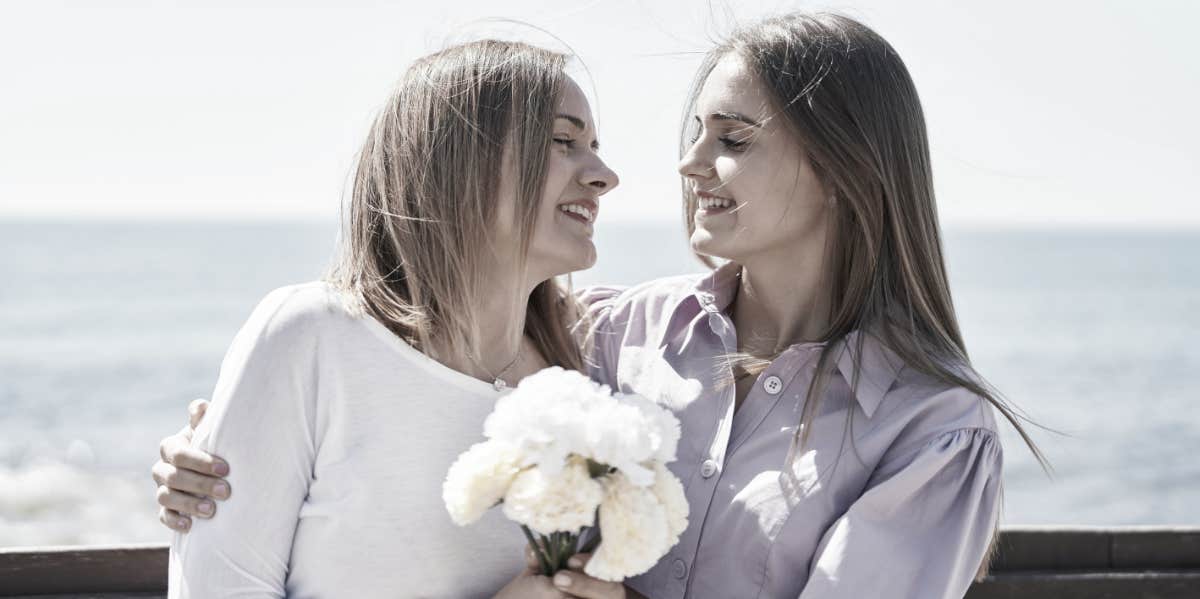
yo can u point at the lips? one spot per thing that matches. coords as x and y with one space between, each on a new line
711 202
584 210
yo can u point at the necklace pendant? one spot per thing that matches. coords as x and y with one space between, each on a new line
499 384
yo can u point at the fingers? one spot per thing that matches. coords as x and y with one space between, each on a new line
186 504
196 411
177 450
174 520
187 481
578 561
583 586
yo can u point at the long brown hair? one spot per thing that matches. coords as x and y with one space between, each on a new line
849 100
420 217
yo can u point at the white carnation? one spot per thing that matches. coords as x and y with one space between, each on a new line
619 437
556 413
478 480
633 530
545 416
669 492
564 501
662 427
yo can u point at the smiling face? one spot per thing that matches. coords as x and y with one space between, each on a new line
576 177
756 193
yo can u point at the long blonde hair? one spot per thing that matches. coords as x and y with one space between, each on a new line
420 218
848 98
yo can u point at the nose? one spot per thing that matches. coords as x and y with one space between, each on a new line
694 164
599 177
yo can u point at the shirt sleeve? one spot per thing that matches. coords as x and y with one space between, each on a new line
921 528
261 422
594 332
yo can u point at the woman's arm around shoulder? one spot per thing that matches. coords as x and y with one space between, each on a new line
262 419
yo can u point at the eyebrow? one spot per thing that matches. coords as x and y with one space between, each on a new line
722 115
579 124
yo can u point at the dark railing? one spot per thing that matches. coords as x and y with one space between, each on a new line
1033 563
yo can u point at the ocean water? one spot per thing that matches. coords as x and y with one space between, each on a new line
107 330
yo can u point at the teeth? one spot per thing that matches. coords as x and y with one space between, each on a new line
588 215
711 203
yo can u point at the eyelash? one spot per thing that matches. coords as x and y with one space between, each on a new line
729 143
570 144
733 145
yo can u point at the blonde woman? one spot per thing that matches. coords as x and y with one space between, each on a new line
837 442
343 402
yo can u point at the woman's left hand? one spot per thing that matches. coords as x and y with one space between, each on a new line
577 584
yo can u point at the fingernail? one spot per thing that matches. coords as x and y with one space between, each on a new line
205 507
220 468
183 522
574 562
562 580
221 490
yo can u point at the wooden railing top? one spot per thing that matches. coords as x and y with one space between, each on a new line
1061 561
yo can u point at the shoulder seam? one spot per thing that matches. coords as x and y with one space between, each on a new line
916 448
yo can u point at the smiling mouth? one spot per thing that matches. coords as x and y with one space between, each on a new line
582 211
708 203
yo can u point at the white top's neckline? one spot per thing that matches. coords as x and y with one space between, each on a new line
429 365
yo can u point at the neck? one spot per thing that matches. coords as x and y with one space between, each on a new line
500 313
782 300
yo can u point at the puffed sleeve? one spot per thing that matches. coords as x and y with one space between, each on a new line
261 422
920 529
595 333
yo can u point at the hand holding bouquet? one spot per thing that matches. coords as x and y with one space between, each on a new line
562 451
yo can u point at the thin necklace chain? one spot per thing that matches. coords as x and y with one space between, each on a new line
497 382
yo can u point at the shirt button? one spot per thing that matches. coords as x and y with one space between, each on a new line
679 569
708 468
773 385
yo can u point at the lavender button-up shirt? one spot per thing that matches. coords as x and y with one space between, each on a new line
895 496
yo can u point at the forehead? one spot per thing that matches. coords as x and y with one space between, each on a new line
731 87
572 101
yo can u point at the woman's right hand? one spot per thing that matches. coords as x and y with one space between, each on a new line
189 480
530 583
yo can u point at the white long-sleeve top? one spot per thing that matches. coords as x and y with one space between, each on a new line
339 436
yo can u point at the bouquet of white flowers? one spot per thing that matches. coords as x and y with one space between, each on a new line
562 451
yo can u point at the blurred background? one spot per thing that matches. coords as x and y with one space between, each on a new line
163 165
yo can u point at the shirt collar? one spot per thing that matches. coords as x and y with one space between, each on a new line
879 366
716 291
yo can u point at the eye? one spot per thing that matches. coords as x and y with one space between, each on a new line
566 142
734 144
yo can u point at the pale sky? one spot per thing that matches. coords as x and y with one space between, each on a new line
1040 113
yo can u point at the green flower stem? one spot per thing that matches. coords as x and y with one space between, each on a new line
558 551
543 561
552 551
563 550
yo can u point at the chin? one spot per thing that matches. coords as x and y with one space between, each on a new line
705 243
574 262
586 261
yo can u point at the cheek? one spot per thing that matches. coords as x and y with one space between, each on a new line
559 170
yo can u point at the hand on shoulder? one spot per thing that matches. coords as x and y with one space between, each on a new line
189 481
